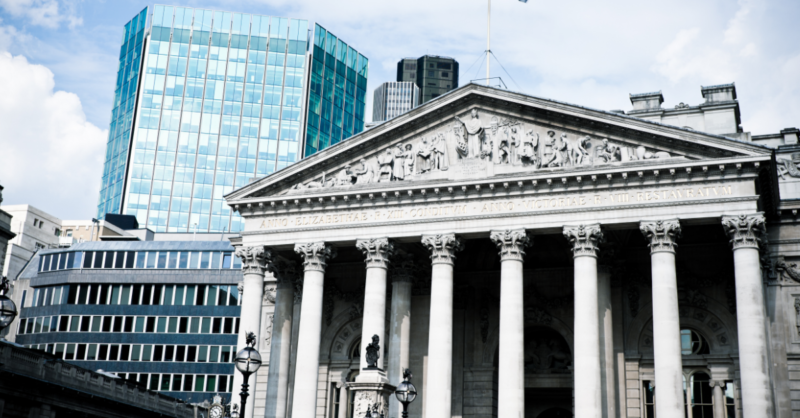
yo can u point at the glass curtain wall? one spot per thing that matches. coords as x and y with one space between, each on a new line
337 92
125 93
221 104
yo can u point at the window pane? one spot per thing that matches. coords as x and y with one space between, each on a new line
204 260
168 289
151 259
215 260
184 260
199 383
179 295
173 260
129 259
162 324
162 260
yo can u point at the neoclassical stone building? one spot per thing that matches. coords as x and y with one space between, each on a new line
526 258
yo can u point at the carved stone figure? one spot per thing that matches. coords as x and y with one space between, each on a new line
408 162
576 150
548 153
643 154
504 153
559 151
513 145
789 167
385 163
462 149
363 174
345 176
398 168
439 148
491 142
607 152
424 156
473 132
530 146
373 352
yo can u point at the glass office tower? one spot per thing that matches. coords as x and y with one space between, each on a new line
219 99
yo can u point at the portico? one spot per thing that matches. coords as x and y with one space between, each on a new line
513 285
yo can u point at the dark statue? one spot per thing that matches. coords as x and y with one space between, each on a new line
373 352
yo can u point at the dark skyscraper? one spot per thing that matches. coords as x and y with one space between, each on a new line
434 75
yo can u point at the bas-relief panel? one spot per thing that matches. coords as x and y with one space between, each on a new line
788 166
480 144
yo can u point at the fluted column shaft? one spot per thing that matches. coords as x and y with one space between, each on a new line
399 325
511 367
584 240
254 264
377 252
746 233
438 388
280 347
662 236
304 399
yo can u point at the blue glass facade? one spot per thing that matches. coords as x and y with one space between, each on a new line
337 93
222 101
164 314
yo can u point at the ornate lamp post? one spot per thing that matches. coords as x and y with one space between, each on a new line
248 360
8 310
406 392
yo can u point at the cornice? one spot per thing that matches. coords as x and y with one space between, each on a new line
590 179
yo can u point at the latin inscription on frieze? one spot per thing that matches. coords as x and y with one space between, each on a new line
520 204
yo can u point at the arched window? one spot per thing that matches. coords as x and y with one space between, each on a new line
355 350
699 396
693 343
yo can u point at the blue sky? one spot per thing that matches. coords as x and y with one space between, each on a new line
58 61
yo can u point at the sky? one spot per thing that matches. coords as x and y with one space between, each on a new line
58 63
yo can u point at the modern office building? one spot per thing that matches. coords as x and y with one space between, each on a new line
161 313
433 74
206 101
394 98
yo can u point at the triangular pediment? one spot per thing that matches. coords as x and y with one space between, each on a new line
481 132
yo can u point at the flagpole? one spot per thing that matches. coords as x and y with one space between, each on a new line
488 40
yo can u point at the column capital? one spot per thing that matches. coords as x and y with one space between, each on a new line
443 247
584 239
315 255
661 235
745 231
378 251
511 243
714 383
254 259
285 271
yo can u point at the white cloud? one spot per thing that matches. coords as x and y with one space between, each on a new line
50 156
46 13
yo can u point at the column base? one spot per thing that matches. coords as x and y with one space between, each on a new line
371 388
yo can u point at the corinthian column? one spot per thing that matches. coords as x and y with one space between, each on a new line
584 240
400 323
661 236
438 388
746 233
315 259
254 264
280 347
511 371
377 252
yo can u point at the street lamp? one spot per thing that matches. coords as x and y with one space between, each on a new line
8 310
406 392
248 360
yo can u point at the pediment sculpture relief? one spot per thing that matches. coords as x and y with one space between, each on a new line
480 141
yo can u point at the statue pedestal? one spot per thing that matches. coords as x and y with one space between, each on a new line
371 388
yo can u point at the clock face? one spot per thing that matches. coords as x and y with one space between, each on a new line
215 412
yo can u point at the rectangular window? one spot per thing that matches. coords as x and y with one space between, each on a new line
183 325
199 383
173 325
222 299
115 292
142 380
190 290
128 324
168 292
96 323
202 354
118 323
228 327
211 384
205 328
57 295
204 260
649 399
140 257
63 323
104 294
59 351
162 260
136 352
85 323
173 260
191 353
80 353
124 352
129 259
223 384
194 325
102 352
147 352
107 321
158 352
140 320
226 261
94 293
109 261
183 260
236 326
53 323
213 354
98 260
169 353
157 294
72 294
125 297
29 326
216 326
215 260
151 324
92 352
46 324
233 296
176 382
76 262
88 256
212 295
162 324
154 381
180 352
119 259
147 294
37 328
136 294
187 383
151 259
74 323
225 354
165 379
70 353
201 295
113 352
